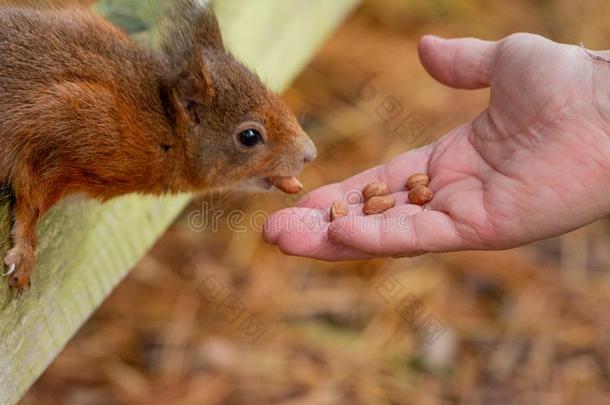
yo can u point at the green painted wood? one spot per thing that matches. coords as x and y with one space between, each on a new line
86 248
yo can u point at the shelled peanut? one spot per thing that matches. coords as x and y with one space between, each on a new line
419 193
376 189
377 199
378 204
289 185
418 179
338 210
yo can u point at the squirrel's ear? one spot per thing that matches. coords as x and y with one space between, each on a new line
190 24
192 90
209 33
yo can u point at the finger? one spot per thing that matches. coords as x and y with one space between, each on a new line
397 235
304 232
460 63
394 174
598 56
294 220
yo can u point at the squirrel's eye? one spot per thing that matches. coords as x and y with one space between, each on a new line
250 138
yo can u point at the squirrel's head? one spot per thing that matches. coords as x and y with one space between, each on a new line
235 131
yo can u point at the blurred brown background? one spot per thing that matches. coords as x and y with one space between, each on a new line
212 316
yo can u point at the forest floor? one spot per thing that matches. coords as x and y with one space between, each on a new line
212 316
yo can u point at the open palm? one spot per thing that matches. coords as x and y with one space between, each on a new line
535 164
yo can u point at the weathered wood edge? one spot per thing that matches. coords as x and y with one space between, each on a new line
87 248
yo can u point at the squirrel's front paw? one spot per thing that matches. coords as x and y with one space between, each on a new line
20 266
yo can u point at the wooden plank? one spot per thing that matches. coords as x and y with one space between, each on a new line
86 248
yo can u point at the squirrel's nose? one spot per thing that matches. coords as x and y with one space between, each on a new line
309 149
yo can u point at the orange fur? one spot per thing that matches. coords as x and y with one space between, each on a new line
85 109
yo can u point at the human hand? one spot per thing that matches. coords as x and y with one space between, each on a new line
534 164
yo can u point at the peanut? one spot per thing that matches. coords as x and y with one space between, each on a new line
290 185
420 195
338 210
378 204
376 189
419 179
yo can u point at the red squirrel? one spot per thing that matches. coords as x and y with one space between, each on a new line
84 109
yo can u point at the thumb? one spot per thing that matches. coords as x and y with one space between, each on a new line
460 63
